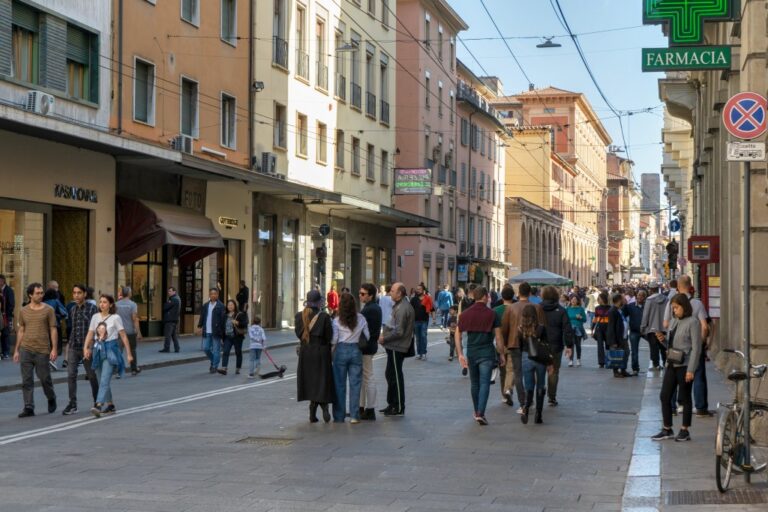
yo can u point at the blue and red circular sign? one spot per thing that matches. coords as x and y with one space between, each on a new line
745 115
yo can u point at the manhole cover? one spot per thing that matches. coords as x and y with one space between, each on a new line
732 497
266 441
626 413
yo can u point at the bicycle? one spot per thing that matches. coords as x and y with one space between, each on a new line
730 444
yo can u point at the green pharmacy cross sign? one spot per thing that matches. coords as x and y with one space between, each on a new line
685 18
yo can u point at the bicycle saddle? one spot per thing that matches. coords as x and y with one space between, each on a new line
737 375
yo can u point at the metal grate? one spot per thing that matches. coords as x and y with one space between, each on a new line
266 441
732 497
627 413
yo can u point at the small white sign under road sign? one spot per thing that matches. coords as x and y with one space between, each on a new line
746 151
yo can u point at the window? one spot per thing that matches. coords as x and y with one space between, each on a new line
463 181
440 218
279 29
462 227
189 98
451 106
370 81
301 135
229 21
82 64
190 11
439 99
427 89
144 92
341 78
25 43
385 13
355 72
280 135
452 56
480 234
355 156
427 207
451 233
370 163
482 142
440 42
302 57
464 132
384 174
322 143
427 30
372 7
384 88
471 230
493 191
482 185
228 121
340 149
473 182
474 133
322 54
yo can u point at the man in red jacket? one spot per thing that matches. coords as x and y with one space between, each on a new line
332 299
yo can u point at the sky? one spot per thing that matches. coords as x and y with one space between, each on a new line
614 57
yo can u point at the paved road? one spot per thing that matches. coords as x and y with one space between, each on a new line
174 446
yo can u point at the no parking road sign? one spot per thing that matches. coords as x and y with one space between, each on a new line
745 115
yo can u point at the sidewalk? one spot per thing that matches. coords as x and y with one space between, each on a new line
670 476
148 357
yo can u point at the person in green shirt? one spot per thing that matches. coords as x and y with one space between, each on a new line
577 315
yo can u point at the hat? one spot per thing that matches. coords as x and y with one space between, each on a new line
314 299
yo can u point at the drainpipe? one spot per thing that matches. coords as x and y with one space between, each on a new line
119 67
251 78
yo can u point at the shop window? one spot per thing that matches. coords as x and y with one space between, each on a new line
22 250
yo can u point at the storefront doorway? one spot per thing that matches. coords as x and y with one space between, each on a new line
226 268
275 270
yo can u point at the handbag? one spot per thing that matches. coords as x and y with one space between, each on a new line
674 355
539 351
362 342
614 359
411 348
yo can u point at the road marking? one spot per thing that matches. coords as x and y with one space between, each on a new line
69 425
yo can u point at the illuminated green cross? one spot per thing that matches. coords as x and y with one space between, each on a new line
685 17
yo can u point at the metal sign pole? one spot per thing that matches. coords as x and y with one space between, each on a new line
746 311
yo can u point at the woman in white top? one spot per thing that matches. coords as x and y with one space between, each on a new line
103 348
348 326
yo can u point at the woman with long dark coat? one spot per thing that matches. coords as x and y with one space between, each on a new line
314 377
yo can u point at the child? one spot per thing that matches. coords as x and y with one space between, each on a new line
257 340
453 321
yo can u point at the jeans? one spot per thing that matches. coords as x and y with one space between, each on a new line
444 313
132 344
674 380
480 370
576 354
104 374
395 380
229 342
368 389
170 332
212 349
511 373
599 335
634 343
554 377
534 374
38 363
420 331
74 356
700 392
347 365
255 361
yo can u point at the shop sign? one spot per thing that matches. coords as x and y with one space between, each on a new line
462 272
413 181
75 193
683 58
193 194
228 222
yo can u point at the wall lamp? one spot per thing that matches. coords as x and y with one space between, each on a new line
257 86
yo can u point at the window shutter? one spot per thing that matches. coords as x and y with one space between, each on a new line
78 45
25 17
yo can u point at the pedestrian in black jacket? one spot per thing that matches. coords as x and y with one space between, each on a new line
171 312
559 335
614 334
372 313
635 313
212 326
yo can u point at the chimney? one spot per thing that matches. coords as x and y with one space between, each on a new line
531 87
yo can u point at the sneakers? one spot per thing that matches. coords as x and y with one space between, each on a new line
578 362
251 376
494 374
635 373
553 402
570 363
481 420
508 398
136 371
211 369
354 421
700 413
683 435
110 409
164 350
26 413
418 357
368 414
51 406
237 371
70 409
520 410
680 409
391 411
665 433
450 358
222 371
53 366
96 411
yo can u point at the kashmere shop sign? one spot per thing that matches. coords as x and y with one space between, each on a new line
684 21
413 181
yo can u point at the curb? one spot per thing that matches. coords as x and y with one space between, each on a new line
150 366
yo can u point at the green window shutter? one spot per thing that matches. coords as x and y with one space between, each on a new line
25 17
78 45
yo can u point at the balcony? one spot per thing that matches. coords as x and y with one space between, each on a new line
302 64
370 104
341 87
357 98
280 52
322 75
384 115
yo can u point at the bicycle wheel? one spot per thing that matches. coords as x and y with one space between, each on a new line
725 448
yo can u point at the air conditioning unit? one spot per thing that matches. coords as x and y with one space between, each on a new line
268 162
183 143
39 103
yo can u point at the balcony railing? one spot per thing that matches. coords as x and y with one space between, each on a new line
370 104
280 52
341 87
357 99
384 115
322 75
302 64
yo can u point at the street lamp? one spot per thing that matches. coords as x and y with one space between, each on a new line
548 43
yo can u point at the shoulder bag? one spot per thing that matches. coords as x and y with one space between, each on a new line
674 355
538 351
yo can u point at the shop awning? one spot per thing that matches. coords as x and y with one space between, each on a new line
143 226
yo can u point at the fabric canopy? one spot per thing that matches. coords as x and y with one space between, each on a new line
539 277
143 226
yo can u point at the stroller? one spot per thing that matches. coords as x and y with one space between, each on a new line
279 370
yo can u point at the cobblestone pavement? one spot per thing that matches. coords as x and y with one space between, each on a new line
176 444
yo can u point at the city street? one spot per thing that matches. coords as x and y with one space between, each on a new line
185 440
